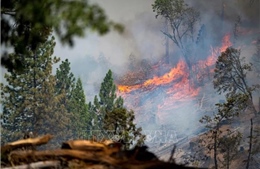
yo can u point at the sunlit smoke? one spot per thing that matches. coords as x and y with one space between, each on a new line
172 93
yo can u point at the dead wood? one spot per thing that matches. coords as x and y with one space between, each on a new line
108 147
24 156
80 154
25 143
41 164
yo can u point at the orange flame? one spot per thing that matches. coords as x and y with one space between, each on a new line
175 73
178 87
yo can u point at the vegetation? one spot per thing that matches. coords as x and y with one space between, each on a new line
112 118
182 21
221 141
74 100
26 24
36 100
230 77
29 99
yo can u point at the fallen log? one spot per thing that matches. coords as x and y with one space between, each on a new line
108 147
80 154
89 158
40 164
63 154
25 143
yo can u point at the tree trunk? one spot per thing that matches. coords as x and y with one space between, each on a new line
228 159
250 145
167 57
259 105
215 150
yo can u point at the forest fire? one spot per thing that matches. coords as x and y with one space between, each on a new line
172 89
178 77
175 73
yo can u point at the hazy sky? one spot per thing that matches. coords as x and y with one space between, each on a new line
141 38
92 56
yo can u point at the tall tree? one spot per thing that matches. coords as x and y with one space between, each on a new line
112 118
181 20
81 120
218 141
230 76
107 100
25 24
65 81
29 99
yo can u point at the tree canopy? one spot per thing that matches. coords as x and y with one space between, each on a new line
29 99
112 118
181 19
25 24
230 73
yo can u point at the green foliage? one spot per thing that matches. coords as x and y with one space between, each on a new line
74 100
29 99
226 111
81 120
216 138
230 78
111 117
230 74
120 122
107 100
229 144
65 79
107 93
181 19
25 24
178 13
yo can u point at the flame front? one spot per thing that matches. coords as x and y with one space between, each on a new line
176 85
175 73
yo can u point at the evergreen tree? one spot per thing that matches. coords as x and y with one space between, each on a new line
81 121
65 79
29 99
112 118
120 123
107 98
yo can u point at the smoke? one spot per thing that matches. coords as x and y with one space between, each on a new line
142 40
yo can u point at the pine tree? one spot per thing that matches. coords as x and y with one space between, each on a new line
81 121
29 99
113 120
107 98
120 123
65 79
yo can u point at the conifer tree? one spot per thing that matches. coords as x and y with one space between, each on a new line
107 100
65 79
81 118
120 123
112 118
29 99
